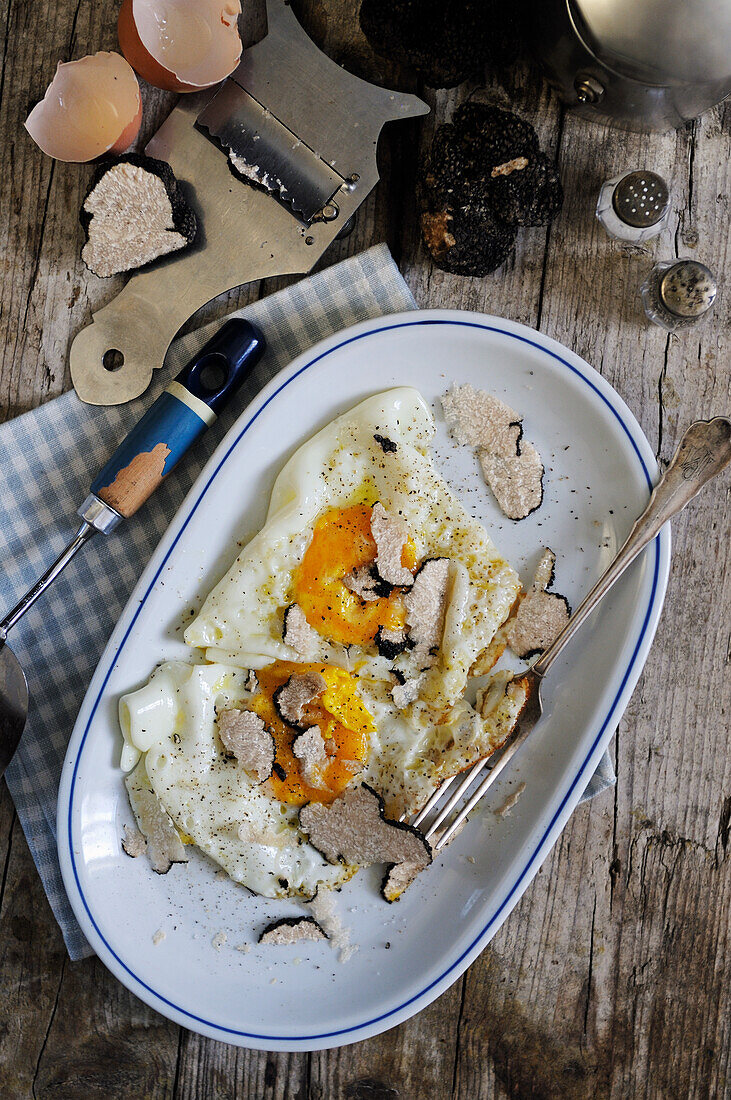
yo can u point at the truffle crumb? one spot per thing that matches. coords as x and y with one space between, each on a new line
219 940
510 801
292 930
541 615
252 683
159 936
134 843
133 214
244 735
324 910
297 632
387 445
291 698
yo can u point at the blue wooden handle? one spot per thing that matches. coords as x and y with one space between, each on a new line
181 414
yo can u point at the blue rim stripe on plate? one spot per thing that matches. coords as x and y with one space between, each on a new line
577 780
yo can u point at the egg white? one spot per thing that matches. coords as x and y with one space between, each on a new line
240 622
209 796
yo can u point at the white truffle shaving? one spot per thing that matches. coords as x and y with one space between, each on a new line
390 533
516 480
309 748
244 734
289 930
134 843
291 698
164 846
541 615
426 605
298 633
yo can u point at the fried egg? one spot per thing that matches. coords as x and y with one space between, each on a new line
319 533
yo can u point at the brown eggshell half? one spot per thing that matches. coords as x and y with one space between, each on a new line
92 106
179 46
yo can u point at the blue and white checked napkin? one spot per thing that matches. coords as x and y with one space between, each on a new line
48 459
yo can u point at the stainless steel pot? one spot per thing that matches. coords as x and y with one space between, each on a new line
646 64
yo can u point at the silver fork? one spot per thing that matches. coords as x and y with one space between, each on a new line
704 451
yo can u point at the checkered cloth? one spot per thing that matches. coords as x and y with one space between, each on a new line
49 457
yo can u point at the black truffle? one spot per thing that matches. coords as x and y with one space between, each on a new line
483 177
134 213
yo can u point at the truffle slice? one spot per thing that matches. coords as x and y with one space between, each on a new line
516 481
245 736
541 615
164 846
397 878
297 632
134 213
134 843
407 692
291 698
390 643
426 605
367 584
292 930
390 533
309 748
354 829
478 419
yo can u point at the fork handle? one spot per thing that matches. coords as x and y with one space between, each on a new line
703 452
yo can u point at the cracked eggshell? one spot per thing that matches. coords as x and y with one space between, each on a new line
179 46
91 107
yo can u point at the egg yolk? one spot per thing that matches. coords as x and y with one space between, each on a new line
341 542
342 718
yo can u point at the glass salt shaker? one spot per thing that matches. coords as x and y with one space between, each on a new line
634 206
678 293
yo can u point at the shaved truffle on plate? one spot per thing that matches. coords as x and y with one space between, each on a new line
541 615
309 748
244 735
511 466
366 583
426 605
397 878
134 843
134 213
478 419
291 698
297 632
390 643
354 829
390 533
516 480
164 846
292 930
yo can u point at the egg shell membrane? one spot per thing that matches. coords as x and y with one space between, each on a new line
91 107
342 542
342 743
144 47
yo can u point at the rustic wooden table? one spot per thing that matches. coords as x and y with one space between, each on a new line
612 977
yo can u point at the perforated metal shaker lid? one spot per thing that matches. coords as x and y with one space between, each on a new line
640 199
688 289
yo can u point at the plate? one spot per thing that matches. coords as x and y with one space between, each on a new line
599 470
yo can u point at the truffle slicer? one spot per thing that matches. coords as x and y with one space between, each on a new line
303 133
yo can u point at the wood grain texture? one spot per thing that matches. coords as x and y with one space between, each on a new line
611 978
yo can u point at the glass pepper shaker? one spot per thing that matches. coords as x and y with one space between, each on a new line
634 206
678 293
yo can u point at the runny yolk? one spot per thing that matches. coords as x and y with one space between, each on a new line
341 542
343 721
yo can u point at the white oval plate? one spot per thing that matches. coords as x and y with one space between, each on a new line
599 469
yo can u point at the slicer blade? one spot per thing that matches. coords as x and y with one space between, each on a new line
265 152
